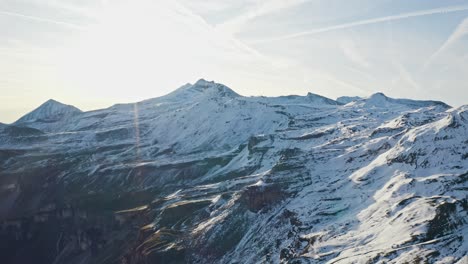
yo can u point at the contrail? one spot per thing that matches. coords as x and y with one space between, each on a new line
261 9
41 19
460 31
372 21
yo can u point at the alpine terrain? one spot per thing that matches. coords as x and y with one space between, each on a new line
205 175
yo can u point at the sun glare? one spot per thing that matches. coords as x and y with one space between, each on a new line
133 46
97 53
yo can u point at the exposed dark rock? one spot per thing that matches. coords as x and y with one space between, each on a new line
259 197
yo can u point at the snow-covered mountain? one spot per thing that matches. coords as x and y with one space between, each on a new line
205 175
49 112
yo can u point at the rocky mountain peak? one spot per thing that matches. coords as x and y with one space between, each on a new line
321 99
381 100
378 97
214 89
51 110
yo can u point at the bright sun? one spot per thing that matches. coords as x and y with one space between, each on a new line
133 46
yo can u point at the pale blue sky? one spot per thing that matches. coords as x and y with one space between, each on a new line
93 54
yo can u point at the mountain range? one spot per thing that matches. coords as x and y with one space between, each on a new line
205 175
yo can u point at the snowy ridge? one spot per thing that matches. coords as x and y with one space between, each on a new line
209 176
381 100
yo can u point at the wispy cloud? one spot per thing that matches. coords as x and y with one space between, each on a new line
405 76
315 75
262 8
226 39
65 6
460 31
372 21
42 20
352 53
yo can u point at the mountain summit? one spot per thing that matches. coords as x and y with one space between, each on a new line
318 99
49 111
208 89
213 89
381 100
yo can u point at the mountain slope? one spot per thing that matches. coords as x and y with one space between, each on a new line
204 175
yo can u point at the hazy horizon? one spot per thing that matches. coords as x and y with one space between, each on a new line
115 103
93 54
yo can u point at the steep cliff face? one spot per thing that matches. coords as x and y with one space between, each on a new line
204 175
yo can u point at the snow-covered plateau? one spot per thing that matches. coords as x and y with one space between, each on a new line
205 175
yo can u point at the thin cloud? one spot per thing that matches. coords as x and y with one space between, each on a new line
353 54
372 21
266 7
460 31
75 8
227 38
405 75
314 75
42 20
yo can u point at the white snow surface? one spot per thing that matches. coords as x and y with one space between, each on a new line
369 181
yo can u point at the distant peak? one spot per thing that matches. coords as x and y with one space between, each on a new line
378 99
52 101
381 100
201 89
321 99
213 89
51 110
379 95
203 82
57 105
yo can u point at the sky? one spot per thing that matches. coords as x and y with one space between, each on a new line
93 54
